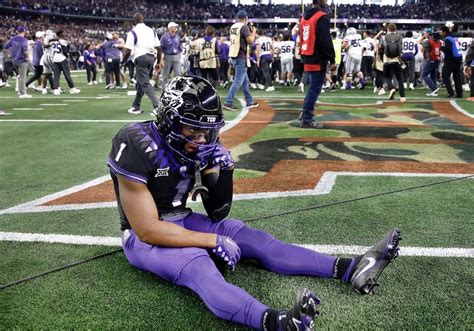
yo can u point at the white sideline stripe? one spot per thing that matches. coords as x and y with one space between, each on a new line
324 186
50 197
53 104
239 117
327 249
60 238
75 100
404 251
27 108
460 109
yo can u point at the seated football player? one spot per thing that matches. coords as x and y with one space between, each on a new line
157 165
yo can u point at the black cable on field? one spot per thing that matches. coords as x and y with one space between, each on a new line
360 198
249 220
60 268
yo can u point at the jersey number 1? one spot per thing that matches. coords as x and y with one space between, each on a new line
119 154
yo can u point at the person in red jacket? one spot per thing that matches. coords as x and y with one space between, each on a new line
431 48
316 52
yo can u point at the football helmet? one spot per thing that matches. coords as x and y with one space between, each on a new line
50 33
191 101
351 31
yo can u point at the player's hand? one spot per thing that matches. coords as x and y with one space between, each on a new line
467 70
217 156
333 67
227 250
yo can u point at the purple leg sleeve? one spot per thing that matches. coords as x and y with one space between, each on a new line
225 300
193 268
273 254
281 257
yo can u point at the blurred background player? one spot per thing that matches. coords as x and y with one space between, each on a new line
60 53
464 43
37 54
112 54
409 52
368 53
352 45
264 59
469 69
452 63
224 61
286 58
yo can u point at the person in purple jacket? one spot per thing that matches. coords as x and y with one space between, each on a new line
171 48
112 49
224 61
90 64
156 165
37 54
18 47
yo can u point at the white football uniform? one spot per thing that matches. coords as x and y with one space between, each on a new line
48 55
265 45
57 51
286 55
353 53
409 45
369 46
463 45
185 65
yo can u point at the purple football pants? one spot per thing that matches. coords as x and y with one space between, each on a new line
193 268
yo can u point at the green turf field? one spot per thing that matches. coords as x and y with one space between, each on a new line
408 164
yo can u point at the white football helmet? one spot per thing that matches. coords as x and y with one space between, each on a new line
50 33
351 31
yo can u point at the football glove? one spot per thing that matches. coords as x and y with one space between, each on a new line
219 156
227 250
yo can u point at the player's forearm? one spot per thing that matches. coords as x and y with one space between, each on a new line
171 235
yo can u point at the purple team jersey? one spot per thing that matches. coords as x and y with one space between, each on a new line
18 46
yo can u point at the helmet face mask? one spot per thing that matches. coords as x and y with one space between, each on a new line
190 104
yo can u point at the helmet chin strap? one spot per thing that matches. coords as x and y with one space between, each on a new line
198 188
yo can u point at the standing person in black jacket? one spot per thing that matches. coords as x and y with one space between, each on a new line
315 55
452 63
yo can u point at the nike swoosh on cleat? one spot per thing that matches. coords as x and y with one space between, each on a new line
367 267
